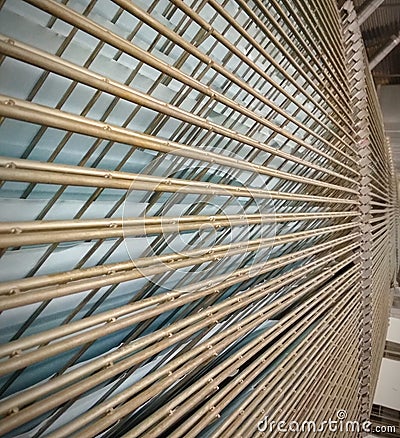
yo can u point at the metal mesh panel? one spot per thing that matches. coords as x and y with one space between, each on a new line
199 217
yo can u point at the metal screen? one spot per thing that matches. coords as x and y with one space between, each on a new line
199 217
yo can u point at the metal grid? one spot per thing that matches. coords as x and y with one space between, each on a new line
189 191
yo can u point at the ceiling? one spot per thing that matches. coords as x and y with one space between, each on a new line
377 31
